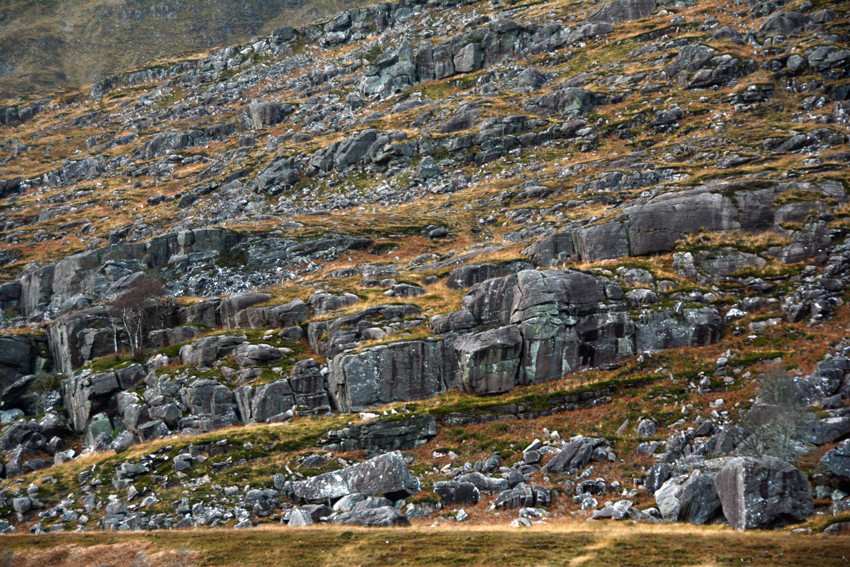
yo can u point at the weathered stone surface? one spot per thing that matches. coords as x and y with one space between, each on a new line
384 435
565 100
268 113
622 11
568 322
454 492
330 339
403 371
271 400
689 498
386 475
79 337
488 362
761 492
834 467
659 330
16 359
576 454
293 313
383 517
322 303
205 351
468 276
236 303
256 355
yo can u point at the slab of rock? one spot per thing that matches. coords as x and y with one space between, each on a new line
689 498
383 517
455 492
205 351
576 454
386 475
488 362
763 492
404 371
834 467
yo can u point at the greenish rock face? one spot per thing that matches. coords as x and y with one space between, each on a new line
488 362
99 424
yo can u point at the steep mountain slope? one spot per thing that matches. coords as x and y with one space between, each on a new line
569 258
47 45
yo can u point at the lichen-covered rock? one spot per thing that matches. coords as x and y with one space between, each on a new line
834 467
205 351
489 361
689 498
386 475
383 517
759 492
403 371
455 492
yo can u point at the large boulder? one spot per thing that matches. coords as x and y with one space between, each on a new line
386 475
834 467
382 517
569 320
565 100
348 331
759 492
16 359
622 11
577 454
268 113
455 492
403 371
488 362
287 315
468 276
689 498
236 303
271 400
80 336
205 351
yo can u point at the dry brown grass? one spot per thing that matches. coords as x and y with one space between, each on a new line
566 542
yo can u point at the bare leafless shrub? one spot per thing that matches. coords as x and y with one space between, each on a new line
773 423
136 310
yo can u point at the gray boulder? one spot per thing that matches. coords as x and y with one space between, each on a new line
271 400
268 113
834 467
256 355
402 371
386 475
577 454
205 351
762 492
383 517
322 303
488 362
688 498
622 11
565 100
455 492
16 359
468 276
235 303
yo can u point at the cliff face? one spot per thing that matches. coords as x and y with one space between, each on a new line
489 212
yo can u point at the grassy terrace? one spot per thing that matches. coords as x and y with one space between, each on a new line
568 543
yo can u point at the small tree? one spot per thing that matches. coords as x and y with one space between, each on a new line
136 310
774 422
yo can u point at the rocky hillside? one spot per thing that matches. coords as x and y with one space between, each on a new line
46 45
446 260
